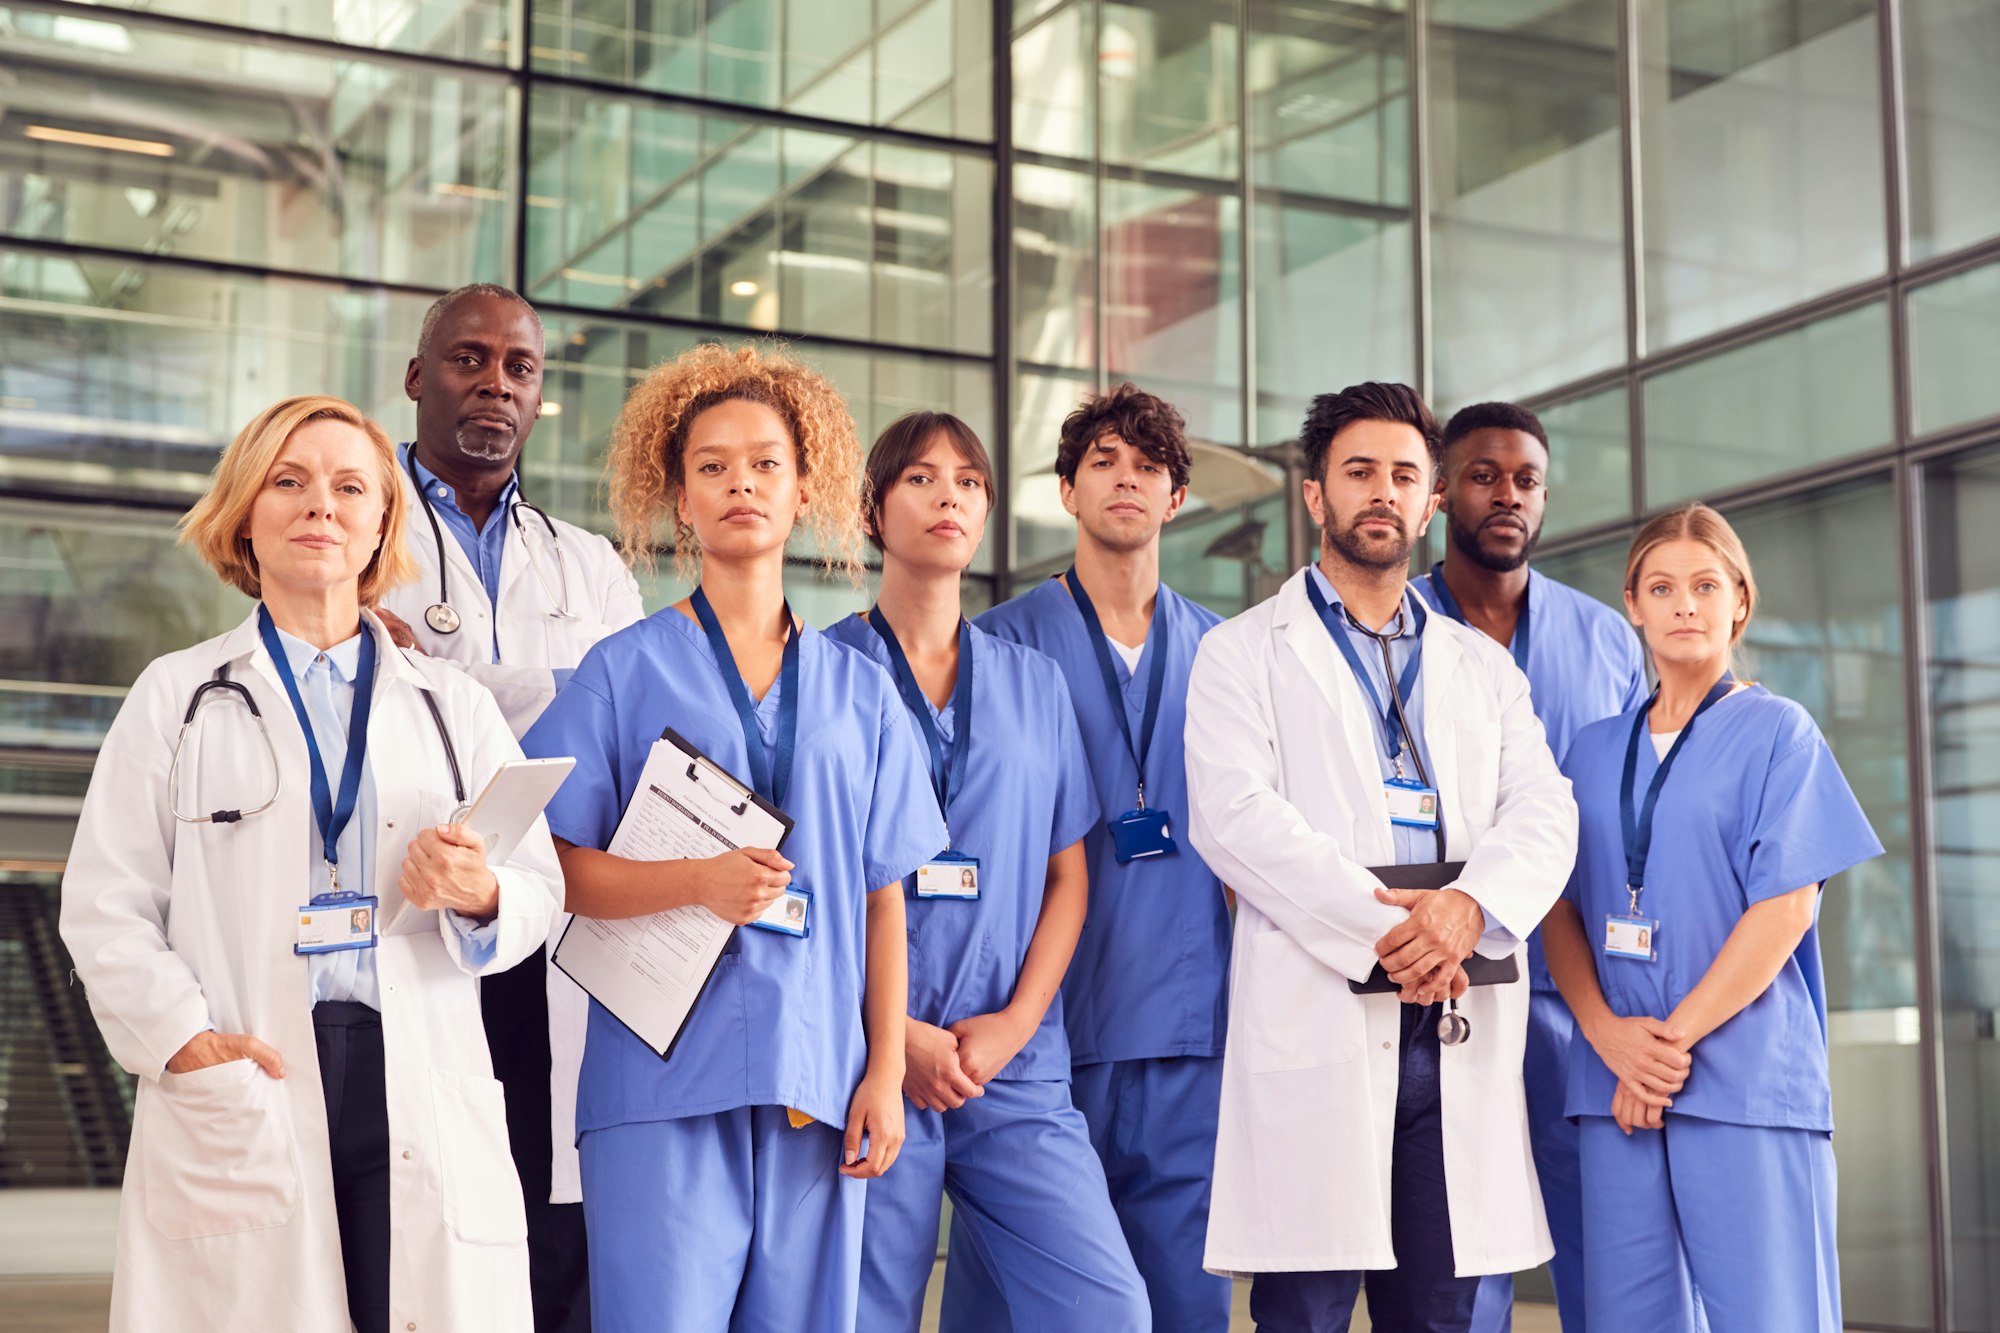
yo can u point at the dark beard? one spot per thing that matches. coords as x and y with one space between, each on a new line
1358 551
1467 541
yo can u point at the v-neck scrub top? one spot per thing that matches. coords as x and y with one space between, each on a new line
780 1022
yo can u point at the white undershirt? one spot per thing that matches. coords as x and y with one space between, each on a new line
1131 655
1663 741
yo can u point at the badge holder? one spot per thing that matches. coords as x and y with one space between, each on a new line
790 915
1412 804
949 874
1631 935
1140 833
333 922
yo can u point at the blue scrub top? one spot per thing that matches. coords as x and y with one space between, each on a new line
780 1022
1755 808
1025 796
1149 973
1584 663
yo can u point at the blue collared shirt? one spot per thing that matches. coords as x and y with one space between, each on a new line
482 546
326 684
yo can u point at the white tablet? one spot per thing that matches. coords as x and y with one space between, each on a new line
514 795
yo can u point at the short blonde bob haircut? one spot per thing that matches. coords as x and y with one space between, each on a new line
1697 523
646 464
215 527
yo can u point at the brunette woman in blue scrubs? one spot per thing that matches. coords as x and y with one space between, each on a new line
993 918
723 1187
1712 817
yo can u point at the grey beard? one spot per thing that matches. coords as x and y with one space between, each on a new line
496 454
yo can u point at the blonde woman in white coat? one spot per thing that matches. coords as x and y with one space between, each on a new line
317 1136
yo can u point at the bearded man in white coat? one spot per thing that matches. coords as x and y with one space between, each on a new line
1372 1139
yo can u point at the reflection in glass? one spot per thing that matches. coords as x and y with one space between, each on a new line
210 148
1172 292
1168 85
1808 395
1590 461
1954 327
1962 511
920 65
1527 226
1042 529
477 32
1597 569
1760 156
1055 85
1055 267
1952 114
1828 634
646 209
1329 118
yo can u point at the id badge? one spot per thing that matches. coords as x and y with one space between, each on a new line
1138 834
1633 937
790 915
1411 803
336 921
949 875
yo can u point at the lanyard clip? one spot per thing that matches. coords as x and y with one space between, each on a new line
1634 892
1402 749
333 876
1140 804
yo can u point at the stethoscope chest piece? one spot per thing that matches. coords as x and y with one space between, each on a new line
1454 1028
440 617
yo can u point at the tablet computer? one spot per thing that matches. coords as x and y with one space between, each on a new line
505 810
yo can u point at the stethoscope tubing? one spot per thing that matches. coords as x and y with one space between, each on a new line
440 615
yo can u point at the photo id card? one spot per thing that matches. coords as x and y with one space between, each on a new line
1631 937
949 875
332 922
790 915
1138 834
1411 803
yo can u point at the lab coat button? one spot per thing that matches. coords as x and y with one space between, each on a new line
406 1154
1385 1045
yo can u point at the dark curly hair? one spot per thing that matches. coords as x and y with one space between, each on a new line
1493 416
1145 421
642 470
1331 413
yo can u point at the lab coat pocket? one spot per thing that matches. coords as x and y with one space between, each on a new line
1292 1006
218 1156
481 1191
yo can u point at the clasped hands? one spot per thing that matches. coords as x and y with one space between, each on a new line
1424 952
1650 1059
943 1068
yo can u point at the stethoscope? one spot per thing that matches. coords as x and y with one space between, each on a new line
440 615
221 683
1453 1028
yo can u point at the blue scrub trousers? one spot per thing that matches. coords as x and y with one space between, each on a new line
1553 1135
1421 1294
1152 1123
1030 1196
1740 1216
727 1223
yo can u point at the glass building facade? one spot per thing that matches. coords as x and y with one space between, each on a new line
1742 250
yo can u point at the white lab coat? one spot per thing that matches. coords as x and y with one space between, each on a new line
227 1219
1285 804
603 598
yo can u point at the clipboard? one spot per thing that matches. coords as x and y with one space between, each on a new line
650 972
1479 971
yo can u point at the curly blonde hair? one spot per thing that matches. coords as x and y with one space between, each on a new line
646 461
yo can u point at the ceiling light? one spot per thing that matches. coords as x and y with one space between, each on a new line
743 287
116 143
550 409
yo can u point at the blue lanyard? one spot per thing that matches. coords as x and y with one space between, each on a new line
331 813
1638 825
1392 723
1449 605
770 785
946 776
1155 679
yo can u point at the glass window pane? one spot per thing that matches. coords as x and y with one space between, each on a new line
1954 327
1043 529
240 151
1055 85
1173 293
1527 227
640 208
1168 71
1760 157
1055 267
922 66
1597 569
125 379
1952 114
1329 116
1590 461
1828 634
1962 563
1809 395
476 31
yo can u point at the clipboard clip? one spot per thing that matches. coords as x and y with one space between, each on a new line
703 762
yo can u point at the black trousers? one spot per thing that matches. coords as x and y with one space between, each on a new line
349 1037
515 1007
